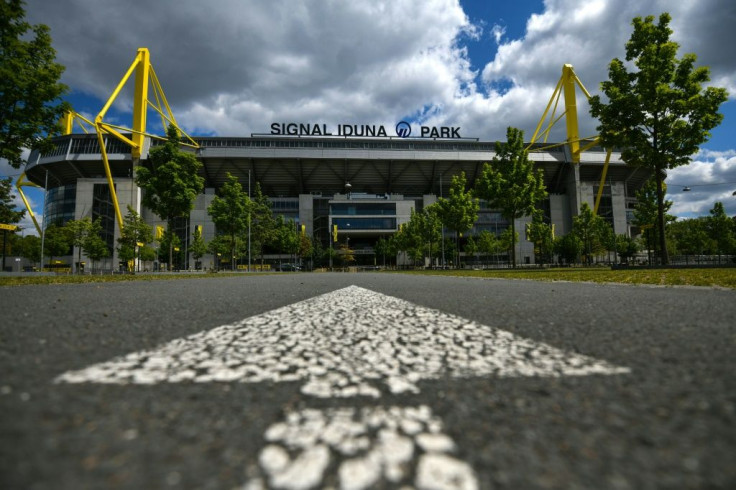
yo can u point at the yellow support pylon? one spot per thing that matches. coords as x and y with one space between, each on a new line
566 85
145 82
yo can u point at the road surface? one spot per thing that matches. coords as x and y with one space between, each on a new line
366 381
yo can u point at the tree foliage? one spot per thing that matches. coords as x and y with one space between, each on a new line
658 114
568 248
540 234
511 184
135 231
78 231
720 229
30 92
197 247
646 209
592 231
626 247
170 182
229 211
56 242
8 213
459 211
93 245
30 248
263 223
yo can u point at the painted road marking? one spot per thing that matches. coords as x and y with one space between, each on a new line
350 342
369 447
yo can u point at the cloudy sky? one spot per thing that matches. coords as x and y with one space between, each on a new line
232 67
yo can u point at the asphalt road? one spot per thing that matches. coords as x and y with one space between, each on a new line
656 410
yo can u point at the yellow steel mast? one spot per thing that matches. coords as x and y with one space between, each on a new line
566 85
145 81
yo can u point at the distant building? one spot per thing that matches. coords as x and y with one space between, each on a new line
367 186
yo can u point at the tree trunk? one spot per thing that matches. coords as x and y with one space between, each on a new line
661 220
513 243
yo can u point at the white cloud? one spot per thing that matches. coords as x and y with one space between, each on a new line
230 68
498 32
710 177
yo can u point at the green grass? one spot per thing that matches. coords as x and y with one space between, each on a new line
79 279
717 277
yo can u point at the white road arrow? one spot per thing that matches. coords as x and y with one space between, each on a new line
349 342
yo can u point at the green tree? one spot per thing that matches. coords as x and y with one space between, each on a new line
306 247
460 210
659 114
229 211
197 247
690 236
568 248
170 182
721 230
134 235
286 238
8 213
78 231
30 248
172 242
219 247
592 230
93 245
263 223
345 254
488 243
30 92
57 242
511 184
471 249
626 247
381 248
646 209
507 242
540 234
146 253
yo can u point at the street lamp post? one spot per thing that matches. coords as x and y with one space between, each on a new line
250 205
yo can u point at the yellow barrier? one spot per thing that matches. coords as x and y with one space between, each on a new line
255 267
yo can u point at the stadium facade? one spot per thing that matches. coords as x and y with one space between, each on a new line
364 179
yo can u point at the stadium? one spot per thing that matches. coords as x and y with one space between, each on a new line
364 179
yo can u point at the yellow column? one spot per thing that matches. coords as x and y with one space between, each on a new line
140 102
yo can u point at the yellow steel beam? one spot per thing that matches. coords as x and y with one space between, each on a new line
140 101
19 184
117 90
603 181
571 111
108 174
67 123
555 97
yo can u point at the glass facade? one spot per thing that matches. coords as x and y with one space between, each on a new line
60 205
363 209
605 209
104 210
360 224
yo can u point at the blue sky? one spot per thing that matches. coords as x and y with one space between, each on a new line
480 65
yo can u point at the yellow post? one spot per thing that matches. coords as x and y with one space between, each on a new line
21 182
140 102
602 183
67 123
571 111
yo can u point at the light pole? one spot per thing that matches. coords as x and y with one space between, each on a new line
250 205
43 218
